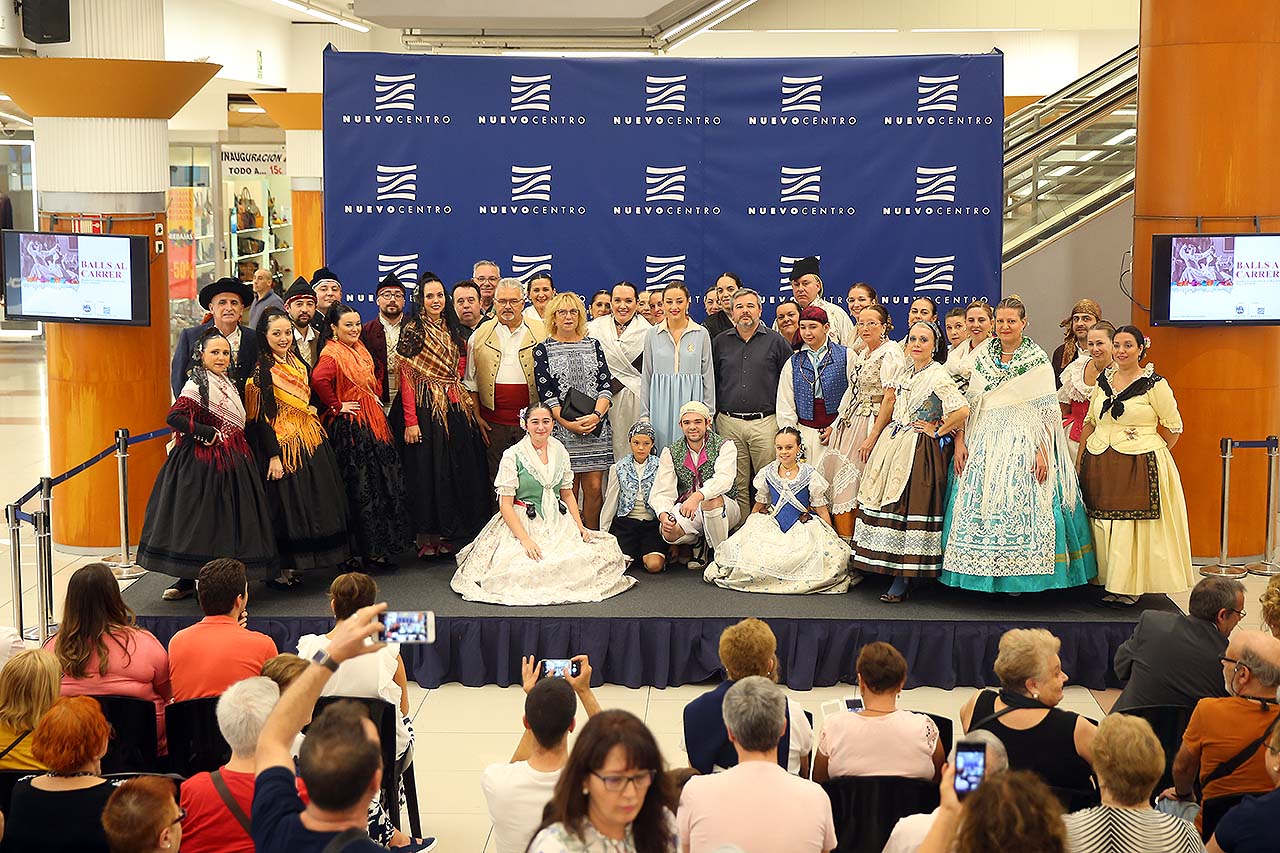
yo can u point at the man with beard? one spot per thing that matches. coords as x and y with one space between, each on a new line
806 288
1085 314
381 335
500 368
486 274
328 292
693 492
621 335
225 299
300 305
467 305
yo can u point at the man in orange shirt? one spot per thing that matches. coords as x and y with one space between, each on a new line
216 652
1223 743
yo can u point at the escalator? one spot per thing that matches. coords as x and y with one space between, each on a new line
1070 156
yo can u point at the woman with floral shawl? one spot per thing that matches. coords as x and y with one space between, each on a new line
1014 521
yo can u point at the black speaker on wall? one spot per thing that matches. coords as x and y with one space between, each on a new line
46 21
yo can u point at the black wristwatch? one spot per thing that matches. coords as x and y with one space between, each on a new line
323 658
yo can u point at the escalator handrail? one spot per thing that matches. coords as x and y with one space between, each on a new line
1018 156
1025 116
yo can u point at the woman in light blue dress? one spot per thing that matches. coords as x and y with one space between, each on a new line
1015 521
677 366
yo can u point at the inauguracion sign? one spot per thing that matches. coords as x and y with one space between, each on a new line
648 169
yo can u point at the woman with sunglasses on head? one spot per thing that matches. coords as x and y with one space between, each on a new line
207 501
612 794
536 549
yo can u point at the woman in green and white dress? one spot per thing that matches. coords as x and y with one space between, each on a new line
536 549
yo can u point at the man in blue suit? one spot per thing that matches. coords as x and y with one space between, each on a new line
225 299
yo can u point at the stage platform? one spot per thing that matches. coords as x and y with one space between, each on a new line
665 630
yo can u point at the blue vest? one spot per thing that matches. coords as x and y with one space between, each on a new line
831 372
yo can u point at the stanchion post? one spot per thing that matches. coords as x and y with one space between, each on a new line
44 574
46 506
1223 568
125 569
15 562
1269 565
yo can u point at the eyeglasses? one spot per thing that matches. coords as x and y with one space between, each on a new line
507 301
182 815
1232 661
616 784
490 279
1233 610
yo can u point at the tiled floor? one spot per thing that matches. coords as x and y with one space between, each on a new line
459 729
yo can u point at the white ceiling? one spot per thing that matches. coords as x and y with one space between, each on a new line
629 17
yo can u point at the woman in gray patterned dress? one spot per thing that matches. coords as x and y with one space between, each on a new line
566 360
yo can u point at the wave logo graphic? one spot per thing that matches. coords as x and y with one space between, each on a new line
935 273
785 265
397 182
659 269
802 94
404 266
665 94
394 92
935 184
525 267
937 94
801 184
664 183
531 183
530 93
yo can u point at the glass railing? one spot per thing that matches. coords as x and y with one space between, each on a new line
1026 122
1079 164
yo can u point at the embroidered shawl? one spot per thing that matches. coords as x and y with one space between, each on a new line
429 361
298 430
357 382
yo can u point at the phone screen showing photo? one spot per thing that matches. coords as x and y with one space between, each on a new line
971 766
559 668
408 626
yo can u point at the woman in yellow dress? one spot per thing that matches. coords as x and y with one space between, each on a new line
1130 484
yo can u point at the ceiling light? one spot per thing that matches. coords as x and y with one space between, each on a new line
870 30
978 30
5 98
690 21
14 118
724 16
321 14
248 108
563 54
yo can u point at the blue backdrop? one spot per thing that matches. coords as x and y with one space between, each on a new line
887 168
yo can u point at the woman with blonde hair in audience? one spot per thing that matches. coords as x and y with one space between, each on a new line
1270 601
142 816
1129 760
28 687
101 650
1010 811
61 810
1039 736
881 739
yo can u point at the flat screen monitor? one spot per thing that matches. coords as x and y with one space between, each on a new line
1215 279
56 277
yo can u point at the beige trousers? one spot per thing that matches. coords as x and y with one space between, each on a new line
754 441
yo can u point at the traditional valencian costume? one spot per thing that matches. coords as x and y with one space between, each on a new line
495 568
787 549
810 389
1132 489
366 455
1075 394
446 474
207 501
626 512
1004 531
308 504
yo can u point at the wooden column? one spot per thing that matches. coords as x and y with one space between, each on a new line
1207 124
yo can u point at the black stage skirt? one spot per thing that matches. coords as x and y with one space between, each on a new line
905 538
374 483
308 511
450 493
197 513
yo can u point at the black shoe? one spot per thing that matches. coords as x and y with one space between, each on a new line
182 588
380 565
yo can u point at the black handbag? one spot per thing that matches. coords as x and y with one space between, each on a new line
578 405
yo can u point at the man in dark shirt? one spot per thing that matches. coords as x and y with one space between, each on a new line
1173 659
748 362
340 761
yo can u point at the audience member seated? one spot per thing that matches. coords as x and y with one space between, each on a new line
1250 827
1129 761
217 805
377 676
1037 735
517 792
10 643
1270 601
1172 659
142 817
880 740
340 764
216 652
28 688
910 832
747 648
612 794
1222 744
755 804
1012 811
61 811
101 650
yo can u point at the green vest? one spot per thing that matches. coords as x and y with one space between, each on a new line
684 477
